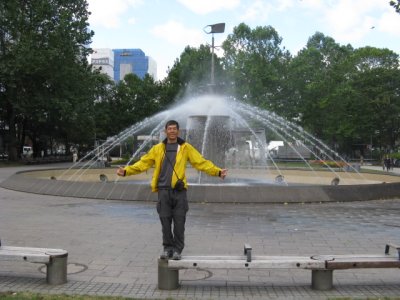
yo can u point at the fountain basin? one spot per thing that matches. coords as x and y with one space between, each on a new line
244 186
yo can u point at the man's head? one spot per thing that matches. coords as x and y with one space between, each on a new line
172 131
172 122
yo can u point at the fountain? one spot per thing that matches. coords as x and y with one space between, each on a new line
234 135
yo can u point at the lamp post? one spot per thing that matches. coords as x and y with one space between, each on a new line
214 28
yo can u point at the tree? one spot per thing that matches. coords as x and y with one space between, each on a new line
192 71
256 63
315 73
43 67
132 100
396 5
376 78
104 121
346 96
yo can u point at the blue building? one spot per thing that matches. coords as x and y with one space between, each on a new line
134 61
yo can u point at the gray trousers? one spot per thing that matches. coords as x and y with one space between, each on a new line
172 207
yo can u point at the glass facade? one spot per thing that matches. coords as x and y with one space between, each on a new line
117 63
132 61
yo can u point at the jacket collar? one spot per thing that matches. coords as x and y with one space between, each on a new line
180 141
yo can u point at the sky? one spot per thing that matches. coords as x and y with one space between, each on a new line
163 28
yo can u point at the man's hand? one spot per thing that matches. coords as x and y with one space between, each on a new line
224 172
121 172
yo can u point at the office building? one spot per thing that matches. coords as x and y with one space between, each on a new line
103 60
134 61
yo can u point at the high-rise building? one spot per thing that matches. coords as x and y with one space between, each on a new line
134 61
103 59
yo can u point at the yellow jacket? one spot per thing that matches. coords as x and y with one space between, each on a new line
185 153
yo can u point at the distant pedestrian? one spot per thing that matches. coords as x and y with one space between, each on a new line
74 157
387 163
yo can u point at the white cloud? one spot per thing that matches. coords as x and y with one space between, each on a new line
258 11
203 7
346 23
283 5
178 34
107 13
131 21
312 4
390 23
351 21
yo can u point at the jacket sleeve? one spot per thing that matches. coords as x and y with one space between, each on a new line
145 163
200 163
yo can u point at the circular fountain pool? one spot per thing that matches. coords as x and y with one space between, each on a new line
245 186
234 135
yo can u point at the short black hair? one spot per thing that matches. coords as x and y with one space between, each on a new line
172 122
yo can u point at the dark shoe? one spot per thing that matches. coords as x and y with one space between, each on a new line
176 256
166 254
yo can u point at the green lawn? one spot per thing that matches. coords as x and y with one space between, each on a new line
35 296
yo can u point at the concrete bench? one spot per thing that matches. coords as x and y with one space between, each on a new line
55 260
321 266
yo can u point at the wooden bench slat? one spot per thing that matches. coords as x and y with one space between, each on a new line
275 263
365 258
55 260
32 250
29 258
363 262
353 256
34 255
321 266
362 265
243 258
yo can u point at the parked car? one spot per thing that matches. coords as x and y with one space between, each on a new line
396 163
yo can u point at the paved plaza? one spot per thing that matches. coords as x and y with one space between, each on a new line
113 245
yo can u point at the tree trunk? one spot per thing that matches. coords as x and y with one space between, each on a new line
11 138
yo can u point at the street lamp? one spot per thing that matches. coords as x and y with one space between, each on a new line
214 28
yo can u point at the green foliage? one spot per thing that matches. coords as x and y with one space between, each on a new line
395 155
43 70
396 5
192 71
347 96
36 296
313 74
329 163
128 102
256 65
376 80
49 93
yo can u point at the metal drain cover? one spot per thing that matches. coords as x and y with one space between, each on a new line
72 268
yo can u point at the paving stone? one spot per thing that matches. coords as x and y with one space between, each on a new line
113 245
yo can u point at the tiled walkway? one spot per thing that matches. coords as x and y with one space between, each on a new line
113 246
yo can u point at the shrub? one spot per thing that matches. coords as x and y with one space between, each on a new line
330 163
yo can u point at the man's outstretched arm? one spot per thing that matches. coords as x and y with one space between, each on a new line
223 173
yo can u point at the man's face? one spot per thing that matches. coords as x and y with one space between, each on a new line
172 132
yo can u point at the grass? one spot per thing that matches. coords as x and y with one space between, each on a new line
6 164
35 296
367 298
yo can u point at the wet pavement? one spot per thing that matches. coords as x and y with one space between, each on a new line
113 245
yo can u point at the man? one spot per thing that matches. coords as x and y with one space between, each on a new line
170 158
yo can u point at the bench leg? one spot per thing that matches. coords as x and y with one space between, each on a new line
57 270
321 280
168 279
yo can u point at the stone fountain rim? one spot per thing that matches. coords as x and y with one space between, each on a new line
205 194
